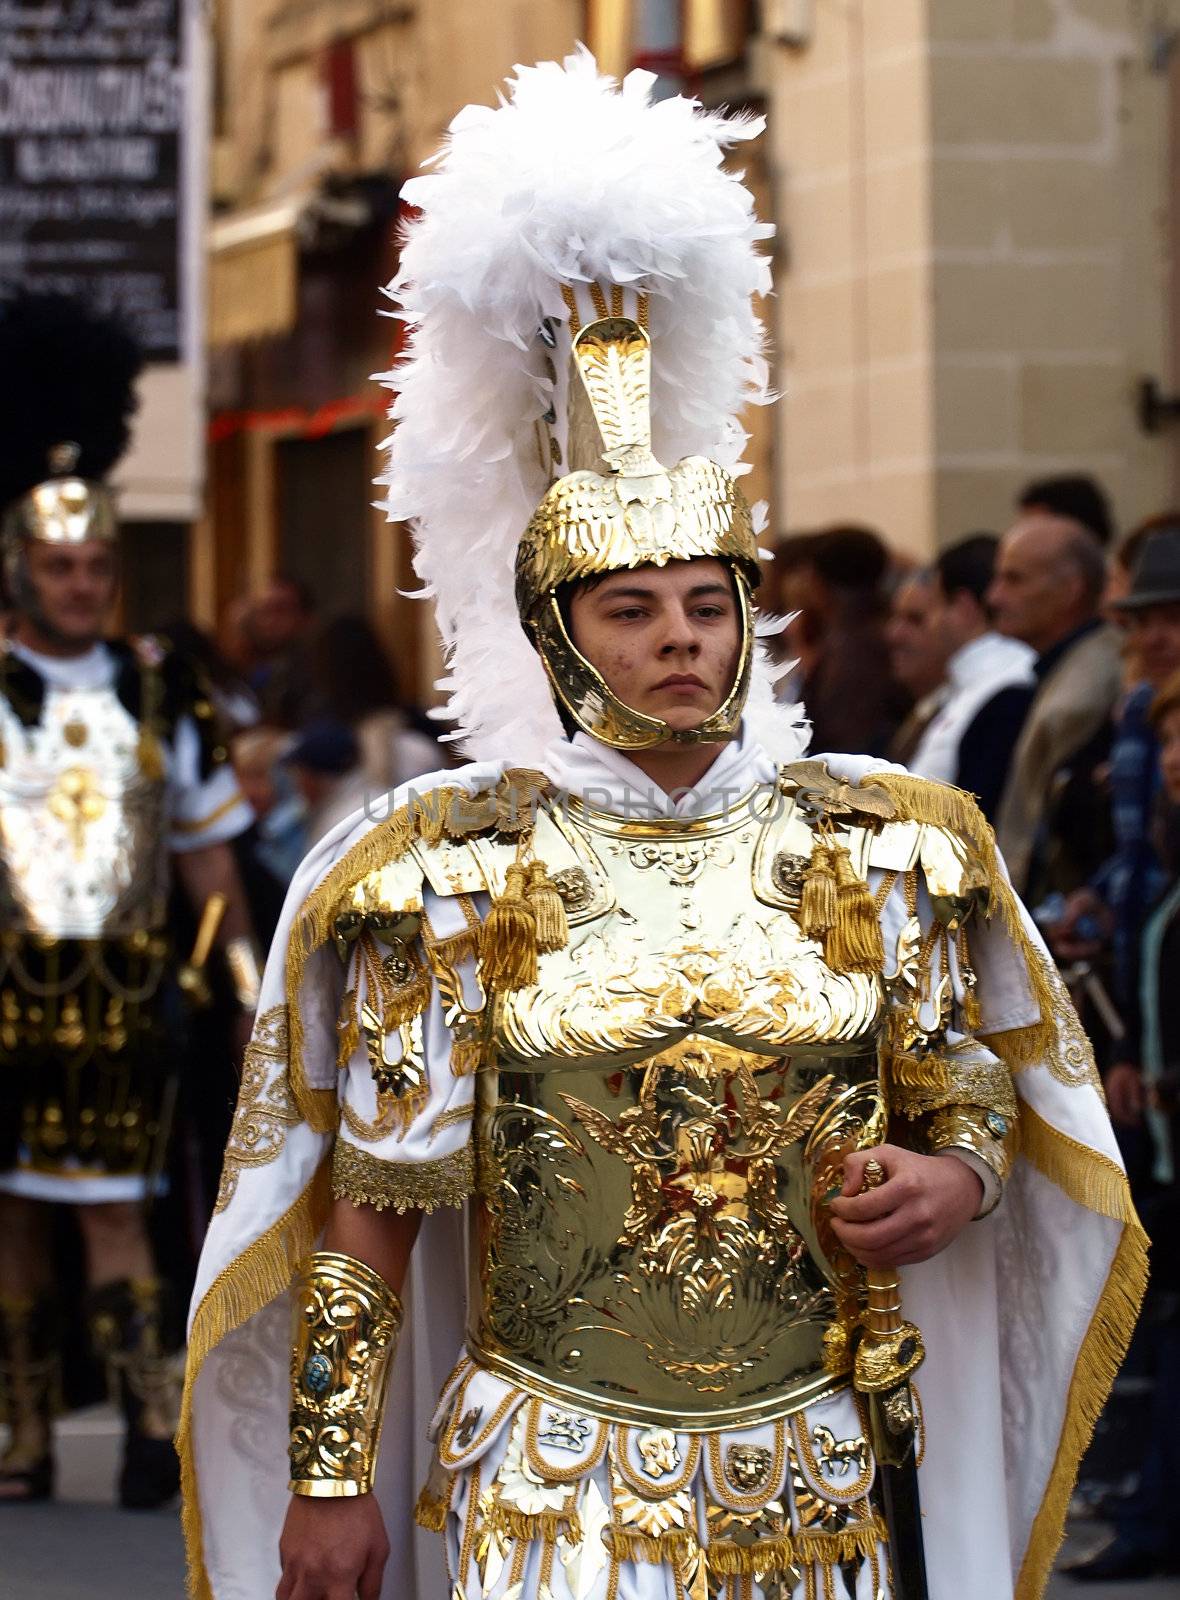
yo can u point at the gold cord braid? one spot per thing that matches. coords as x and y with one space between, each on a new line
571 305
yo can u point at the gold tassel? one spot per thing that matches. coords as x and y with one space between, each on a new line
348 1031
508 1522
847 1545
837 1343
920 1072
466 1057
150 756
817 907
403 1003
853 942
729 1560
508 944
430 1512
972 1017
553 929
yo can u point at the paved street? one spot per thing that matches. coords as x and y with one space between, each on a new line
81 1548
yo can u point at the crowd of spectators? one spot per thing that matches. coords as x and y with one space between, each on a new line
1038 667
317 725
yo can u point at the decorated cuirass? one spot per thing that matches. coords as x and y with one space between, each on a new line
655 1136
83 837
665 1100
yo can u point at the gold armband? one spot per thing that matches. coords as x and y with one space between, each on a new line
971 1128
245 971
347 1319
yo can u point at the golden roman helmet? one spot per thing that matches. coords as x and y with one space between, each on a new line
64 509
621 509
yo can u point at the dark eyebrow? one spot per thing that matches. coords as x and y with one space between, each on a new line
635 592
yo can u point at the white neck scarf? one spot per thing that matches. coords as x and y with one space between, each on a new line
606 780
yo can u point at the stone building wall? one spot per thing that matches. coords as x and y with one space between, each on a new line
974 265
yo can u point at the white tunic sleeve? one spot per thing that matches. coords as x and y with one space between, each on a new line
204 811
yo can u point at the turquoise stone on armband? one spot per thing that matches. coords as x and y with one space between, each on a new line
317 1373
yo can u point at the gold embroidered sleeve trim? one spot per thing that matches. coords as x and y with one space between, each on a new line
265 1108
951 1078
366 1180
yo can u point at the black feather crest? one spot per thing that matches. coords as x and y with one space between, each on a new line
69 374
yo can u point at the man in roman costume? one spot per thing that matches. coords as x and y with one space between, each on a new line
110 766
706 1039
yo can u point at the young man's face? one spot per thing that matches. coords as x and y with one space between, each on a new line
73 588
665 639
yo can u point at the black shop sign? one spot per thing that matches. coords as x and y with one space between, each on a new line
92 169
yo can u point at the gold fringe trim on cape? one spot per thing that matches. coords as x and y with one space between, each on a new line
943 806
1099 1359
364 1179
1089 1178
1094 1181
262 1272
1017 1047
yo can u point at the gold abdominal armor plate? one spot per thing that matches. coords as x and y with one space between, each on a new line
672 1102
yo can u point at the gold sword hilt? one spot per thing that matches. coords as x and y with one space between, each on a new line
191 976
889 1352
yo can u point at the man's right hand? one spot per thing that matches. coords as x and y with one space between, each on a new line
1125 1094
1071 942
332 1549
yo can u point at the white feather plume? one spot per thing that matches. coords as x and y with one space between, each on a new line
571 179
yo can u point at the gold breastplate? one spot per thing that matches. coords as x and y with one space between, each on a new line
668 1107
83 832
